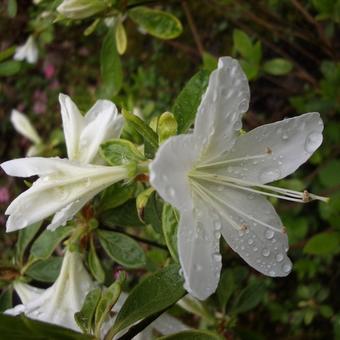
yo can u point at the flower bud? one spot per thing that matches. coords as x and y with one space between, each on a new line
167 126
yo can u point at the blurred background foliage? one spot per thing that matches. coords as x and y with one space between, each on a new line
289 51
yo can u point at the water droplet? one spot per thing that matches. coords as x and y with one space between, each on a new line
241 233
218 225
265 252
272 273
217 257
269 175
198 267
243 106
313 141
284 137
250 241
279 257
269 234
255 249
251 196
171 191
237 125
287 267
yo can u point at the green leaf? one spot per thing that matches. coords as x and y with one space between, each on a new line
226 287
110 67
160 24
122 249
243 44
326 243
6 299
22 328
124 216
26 235
46 270
12 8
8 52
45 244
120 151
121 38
187 102
153 212
277 66
9 68
143 129
192 335
251 70
152 295
209 62
329 175
116 195
95 266
108 298
85 317
170 220
249 298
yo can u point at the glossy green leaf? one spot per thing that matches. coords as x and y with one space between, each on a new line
153 212
160 24
26 235
323 244
152 295
122 249
94 263
209 61
9 68
120 151
192 335
170 220
45 244
6 299
45 270
277 66
22 328
249 298
123 216
187 102
85 317
243 44
8 52
110 67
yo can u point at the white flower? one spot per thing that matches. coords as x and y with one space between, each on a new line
22 124
80 9
215 178
65 185
58 303
27 51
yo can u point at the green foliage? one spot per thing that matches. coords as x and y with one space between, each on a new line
277 66
9 68
323 244
192 335
160 24
45 270
170 220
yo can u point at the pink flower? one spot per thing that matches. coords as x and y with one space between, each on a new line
4 195
49 70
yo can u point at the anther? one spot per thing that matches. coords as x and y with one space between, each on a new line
243 227
284 229
268 150
306 197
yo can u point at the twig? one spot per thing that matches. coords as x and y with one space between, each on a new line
193 28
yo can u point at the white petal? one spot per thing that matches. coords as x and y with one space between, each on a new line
168 172
73 123
27 292
32 51
290 143
198 249
22 124
262 243
101 123
219 115
167 324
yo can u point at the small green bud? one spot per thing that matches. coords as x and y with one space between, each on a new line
80 9
167 126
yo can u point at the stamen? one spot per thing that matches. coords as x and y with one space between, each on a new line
268 151
218 199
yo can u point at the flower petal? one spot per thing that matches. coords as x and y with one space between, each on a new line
27 292
285 145
198 248
219 115
261 242
22 124
168 172
73 123
101 123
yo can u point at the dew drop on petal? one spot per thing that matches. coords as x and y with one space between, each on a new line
171 191
269 234
250 241
284 137
218 225
287 267
269 175
279 257
272 273
313 141
198 267
237 125
265 252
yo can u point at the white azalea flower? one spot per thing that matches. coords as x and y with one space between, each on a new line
22 124
28 51
65 185
58 303
216 178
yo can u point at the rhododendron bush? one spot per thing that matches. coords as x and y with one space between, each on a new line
169 169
